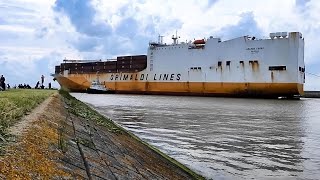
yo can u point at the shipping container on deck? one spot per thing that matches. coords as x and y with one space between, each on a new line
138 61
65 66
110 63
99 63
124 66
87 69
131 57
124 58
99 68
75 68
86 64
57 69
138 66
110 66
125 70
124 61
110 70
139 56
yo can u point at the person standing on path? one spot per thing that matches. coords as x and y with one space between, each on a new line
2 82
42 80
37 85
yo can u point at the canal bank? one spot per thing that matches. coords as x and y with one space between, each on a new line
66 139
311 94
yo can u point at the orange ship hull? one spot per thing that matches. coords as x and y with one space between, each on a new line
79 84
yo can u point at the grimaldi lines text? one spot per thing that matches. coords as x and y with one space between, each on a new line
245 66
141 77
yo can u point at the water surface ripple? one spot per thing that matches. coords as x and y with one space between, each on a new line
224 138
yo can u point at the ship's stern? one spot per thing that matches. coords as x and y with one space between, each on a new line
296 43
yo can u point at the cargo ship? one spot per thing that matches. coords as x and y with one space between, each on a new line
241 67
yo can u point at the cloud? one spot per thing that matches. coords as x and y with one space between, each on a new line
246 26
82 16
12 7
129 32
6 35
211 2
127 27
13 13
302 3
85 43
2 21
40 33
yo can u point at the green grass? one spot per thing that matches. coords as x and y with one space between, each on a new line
80 109
16 103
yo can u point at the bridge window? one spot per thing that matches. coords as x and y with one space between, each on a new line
228 63
219 63
277 68
301 69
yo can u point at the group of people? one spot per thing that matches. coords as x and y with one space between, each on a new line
22 86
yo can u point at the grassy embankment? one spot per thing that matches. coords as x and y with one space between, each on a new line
16 103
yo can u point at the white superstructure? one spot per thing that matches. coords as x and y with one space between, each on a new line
279 59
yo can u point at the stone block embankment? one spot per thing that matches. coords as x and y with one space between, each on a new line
312 94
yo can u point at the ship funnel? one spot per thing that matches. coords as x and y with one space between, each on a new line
284 34
272 35
278 35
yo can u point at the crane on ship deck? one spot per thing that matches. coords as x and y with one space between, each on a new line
80 61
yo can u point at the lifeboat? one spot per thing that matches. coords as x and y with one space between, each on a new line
199 41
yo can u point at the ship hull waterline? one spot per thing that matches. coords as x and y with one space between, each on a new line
215 89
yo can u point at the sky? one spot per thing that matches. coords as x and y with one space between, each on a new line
36 35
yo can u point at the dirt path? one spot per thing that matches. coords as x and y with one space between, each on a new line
25 122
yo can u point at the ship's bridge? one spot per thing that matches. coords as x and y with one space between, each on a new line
196 44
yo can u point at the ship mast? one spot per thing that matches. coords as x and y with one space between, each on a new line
160 39
175 38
